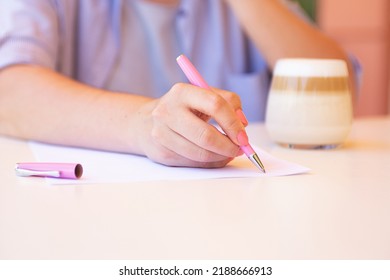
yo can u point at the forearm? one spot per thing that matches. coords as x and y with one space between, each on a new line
277 32
39 104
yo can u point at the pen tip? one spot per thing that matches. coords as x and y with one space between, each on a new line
256 161
261 167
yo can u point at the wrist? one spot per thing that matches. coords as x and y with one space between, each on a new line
138 132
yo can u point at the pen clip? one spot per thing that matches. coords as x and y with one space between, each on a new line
27 172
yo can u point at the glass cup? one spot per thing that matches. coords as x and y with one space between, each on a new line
309 103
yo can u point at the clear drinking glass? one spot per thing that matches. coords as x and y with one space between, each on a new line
309 103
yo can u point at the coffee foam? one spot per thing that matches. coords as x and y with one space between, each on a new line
306 67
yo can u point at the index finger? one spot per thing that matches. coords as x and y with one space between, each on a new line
234 100
214 105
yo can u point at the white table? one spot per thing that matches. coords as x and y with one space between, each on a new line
341 210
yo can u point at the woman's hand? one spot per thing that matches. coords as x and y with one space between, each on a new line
174 129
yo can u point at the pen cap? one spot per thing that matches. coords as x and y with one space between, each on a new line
66 170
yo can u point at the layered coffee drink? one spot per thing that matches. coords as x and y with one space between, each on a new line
309 103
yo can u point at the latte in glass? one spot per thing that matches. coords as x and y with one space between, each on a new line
309 103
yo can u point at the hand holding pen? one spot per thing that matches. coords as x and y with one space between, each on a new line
174 130
242 139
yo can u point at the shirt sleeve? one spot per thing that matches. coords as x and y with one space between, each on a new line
29 33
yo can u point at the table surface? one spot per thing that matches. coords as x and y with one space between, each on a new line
340 210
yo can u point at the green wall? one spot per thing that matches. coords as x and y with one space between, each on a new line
309 6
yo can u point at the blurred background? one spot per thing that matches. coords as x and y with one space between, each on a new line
363 28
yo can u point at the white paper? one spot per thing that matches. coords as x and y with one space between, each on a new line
108 167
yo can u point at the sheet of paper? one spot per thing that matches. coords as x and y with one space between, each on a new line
107 167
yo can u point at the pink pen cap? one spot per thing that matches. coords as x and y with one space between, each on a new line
49 169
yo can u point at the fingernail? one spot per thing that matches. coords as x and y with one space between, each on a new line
240 114
242 138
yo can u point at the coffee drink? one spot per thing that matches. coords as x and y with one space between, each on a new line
309 103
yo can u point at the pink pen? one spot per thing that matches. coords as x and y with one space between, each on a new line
196 79
49 169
